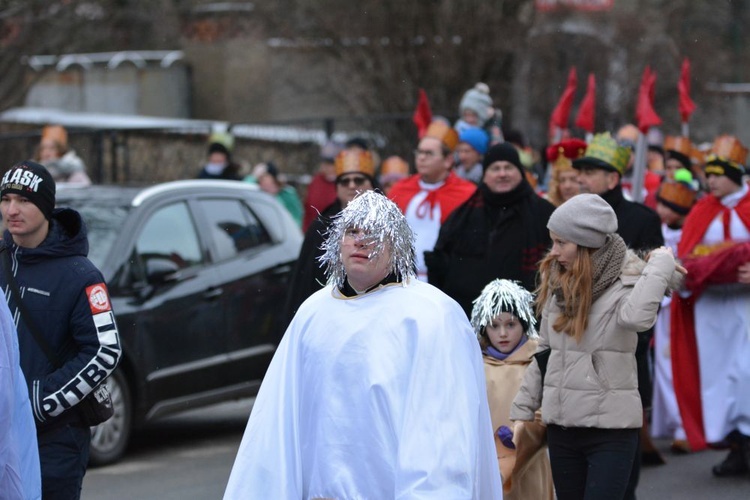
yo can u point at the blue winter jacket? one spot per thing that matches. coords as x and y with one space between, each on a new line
68 299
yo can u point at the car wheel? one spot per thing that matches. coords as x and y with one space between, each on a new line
109 439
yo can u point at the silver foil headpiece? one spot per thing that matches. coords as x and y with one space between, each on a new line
381 221
501 296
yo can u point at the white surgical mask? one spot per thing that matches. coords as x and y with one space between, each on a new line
215 168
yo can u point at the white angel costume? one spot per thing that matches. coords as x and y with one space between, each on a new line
379 396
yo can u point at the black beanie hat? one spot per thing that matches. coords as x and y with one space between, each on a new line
217 147
721 166
504 151
32 181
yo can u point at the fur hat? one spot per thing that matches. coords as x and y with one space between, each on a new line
585 219
477 100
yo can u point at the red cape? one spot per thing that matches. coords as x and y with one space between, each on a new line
320 194
450 196
683 345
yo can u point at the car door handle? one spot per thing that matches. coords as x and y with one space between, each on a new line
282 269
212 293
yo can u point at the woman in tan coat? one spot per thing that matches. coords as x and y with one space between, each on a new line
594 296
504 321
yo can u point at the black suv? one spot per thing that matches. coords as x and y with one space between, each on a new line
197 271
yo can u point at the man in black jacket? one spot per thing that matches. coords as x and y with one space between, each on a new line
68 306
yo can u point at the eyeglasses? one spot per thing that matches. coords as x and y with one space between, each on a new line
347 181
425 152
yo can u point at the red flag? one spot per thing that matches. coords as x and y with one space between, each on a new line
686 106
585 118
561 112
645 115
422 116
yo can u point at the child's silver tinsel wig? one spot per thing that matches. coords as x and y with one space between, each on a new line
501 296
380 221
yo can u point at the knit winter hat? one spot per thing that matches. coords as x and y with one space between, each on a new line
477 100
585 219
476 138
504 151
32 181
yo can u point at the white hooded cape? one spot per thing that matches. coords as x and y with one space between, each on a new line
377 396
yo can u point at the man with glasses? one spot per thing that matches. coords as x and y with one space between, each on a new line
428 197
355 173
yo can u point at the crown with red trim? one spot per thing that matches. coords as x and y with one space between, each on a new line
562 154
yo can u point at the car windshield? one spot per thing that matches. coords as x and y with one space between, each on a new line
104 220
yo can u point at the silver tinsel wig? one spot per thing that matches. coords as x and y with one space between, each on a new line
380 221
501 296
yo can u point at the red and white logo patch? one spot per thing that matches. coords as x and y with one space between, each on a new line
98 298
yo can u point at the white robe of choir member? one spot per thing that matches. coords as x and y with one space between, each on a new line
665 414
377 396
722 331
425 222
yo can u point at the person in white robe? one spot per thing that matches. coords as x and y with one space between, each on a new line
377 389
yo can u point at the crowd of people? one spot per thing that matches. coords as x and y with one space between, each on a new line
602 322
486 323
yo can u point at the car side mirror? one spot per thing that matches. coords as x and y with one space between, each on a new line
161 270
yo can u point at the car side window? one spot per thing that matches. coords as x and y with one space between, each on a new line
234 228
169 239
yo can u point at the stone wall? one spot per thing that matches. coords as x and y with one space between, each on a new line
149 157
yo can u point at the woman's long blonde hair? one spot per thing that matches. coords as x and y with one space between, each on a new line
573 285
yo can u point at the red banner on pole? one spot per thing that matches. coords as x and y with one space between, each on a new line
686 105
561 113
422 116
645 115
585 118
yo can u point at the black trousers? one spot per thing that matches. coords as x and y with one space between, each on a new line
63 456
591 463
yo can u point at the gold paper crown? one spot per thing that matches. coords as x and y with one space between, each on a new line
443 132
697 156
604 152
677 193
351 161
679 144
728 148
394 165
